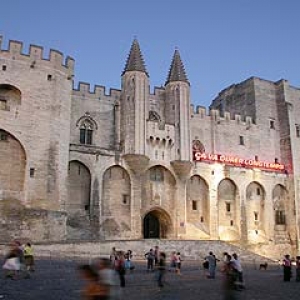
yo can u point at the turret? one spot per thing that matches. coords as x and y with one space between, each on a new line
134 102
178 106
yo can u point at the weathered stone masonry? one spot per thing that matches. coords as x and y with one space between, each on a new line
120 165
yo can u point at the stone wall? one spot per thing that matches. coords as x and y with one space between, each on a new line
37 92
21 223
190 250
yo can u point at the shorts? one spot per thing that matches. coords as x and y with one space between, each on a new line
29 261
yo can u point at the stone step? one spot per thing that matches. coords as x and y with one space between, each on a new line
189 249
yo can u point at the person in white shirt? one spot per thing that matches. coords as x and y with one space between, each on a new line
236 264
178 263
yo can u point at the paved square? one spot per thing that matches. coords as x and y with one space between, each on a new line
57 279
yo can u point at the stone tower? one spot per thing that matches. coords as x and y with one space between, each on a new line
178 106
134 99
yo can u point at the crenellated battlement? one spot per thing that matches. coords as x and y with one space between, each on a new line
215 115
98 93
36 56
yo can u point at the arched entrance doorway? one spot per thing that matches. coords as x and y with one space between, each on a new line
151 227
157 225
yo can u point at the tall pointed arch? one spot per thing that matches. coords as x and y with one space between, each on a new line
79 189
116 202
228 210
280 199
255 212
198 206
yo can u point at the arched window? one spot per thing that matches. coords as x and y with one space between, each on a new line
87 126
9 96
156 174
86 132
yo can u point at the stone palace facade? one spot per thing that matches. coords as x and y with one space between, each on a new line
130 164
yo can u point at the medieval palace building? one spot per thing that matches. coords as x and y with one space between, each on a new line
81 163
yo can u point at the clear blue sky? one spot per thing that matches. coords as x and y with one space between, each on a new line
221 42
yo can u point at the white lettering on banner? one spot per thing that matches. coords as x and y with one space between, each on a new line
237 161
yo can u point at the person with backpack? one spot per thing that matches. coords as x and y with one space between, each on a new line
150 256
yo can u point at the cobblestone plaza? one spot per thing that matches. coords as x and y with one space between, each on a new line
58 280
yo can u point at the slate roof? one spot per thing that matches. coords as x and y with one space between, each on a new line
135 60
177 71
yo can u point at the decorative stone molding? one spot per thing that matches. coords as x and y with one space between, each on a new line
182 168
138 163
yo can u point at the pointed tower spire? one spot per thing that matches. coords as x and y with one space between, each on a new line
177 71
135 61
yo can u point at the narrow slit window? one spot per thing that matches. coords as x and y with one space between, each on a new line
194 205
297 130
125 199
31 172
242 141
228 207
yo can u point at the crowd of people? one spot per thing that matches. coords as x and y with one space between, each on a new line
110 273
105 277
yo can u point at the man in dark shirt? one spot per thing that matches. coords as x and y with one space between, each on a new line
161 269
